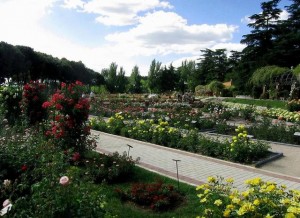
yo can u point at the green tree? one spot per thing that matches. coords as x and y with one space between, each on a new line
287 45
188 76
110 77
260 41
167 79
153 76
213 65
135 85
121 82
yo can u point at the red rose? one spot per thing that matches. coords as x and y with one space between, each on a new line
24 168
46 104
76 156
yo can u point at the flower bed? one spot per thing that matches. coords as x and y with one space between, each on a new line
155 196
218 198
160 132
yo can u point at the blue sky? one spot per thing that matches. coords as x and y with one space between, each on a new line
128 32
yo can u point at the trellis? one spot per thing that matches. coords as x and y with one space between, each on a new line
286 79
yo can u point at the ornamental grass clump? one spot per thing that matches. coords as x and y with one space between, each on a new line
218 198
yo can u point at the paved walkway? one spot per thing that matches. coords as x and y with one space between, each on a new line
193 168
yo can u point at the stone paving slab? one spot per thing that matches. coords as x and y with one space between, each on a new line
193 168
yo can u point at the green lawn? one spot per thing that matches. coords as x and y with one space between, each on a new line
259 102
187 209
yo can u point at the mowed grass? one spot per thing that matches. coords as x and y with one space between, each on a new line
187 209
259 102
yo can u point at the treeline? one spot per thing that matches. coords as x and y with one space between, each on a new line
271 42
22 64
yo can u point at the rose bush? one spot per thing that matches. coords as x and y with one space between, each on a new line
68 112
32 99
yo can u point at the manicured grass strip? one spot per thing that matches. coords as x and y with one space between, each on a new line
189 208
259 102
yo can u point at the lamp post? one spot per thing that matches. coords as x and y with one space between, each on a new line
176 161
129 146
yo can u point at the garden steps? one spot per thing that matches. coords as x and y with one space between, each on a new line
193 168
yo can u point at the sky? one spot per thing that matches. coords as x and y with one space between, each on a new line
127 32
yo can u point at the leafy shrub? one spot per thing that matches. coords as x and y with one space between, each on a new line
109 168
212 148
190 142
156 196
10 98
293 105
278 131
98 124
244 150
115 124
75 198
247 113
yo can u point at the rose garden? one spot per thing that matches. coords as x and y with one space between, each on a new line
49 166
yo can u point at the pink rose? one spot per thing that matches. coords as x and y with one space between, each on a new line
6 203
64 180
76 156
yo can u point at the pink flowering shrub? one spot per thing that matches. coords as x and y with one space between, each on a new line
68 114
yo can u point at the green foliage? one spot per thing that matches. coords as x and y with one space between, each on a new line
202 90
135 79
264 75
113 168
296 70
216 87
248 113
278 131
293 105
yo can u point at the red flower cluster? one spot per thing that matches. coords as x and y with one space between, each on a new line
32 99
157 196
69 115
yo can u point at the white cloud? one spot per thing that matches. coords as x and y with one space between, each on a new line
229 46
283 16
246 20
166 32
178 62
117 12
73 4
